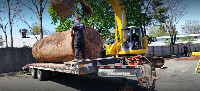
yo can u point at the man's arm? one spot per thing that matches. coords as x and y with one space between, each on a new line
72 32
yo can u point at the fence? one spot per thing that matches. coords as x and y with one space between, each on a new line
169 50
13 59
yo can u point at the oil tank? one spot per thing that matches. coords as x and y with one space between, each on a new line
59 47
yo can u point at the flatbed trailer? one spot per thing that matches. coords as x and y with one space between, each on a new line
104 67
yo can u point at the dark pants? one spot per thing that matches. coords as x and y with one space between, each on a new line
79 43
185 52
103 53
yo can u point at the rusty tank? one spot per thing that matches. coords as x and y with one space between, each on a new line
59 47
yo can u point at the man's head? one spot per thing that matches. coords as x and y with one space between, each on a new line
77 19
133 31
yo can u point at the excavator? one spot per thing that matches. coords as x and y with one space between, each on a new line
122 45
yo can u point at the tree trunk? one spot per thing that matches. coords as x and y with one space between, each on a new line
40 18
172 40
174 37
6 39
10 23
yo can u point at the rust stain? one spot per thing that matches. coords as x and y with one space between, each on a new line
59 47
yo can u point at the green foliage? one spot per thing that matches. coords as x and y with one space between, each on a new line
167 42
157 31
25 46
133 9
103 19
188 38
36 30
143 13
157 14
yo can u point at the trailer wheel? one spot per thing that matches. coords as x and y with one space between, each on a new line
34 73
41 75
48 74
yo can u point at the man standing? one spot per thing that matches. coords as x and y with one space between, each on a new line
134 38
185 50
77 31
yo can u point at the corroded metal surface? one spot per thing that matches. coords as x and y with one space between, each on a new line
59 47
64 8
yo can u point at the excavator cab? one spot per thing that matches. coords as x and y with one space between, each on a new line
132 38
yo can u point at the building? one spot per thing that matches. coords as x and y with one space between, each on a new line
161 40
18 41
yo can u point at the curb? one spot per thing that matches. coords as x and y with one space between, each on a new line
11 74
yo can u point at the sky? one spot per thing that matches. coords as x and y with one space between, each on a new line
193 14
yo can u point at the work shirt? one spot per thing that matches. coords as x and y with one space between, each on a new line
185 48
136 37
78 29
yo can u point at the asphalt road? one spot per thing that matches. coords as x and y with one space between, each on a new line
177 76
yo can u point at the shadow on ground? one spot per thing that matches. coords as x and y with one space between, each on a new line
94 83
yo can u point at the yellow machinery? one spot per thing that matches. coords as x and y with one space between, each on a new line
197 53
122 34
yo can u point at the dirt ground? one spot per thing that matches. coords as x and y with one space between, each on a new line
192 57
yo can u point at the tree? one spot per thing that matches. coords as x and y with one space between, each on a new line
103 19
10 23
36 30
157 31
1 41
4 30
5 7
39 5
175 12
144 13
191 27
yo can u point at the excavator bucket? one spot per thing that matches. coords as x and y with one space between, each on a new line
86 8
64 8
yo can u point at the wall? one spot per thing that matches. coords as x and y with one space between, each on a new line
13 59
169 50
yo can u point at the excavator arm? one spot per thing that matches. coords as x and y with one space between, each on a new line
66 8
120 17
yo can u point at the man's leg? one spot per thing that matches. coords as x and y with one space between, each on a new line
82 47
185 53
133 43
76 49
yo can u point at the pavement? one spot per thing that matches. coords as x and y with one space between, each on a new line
176 76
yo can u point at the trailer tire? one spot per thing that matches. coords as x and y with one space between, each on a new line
41 74
34 73
48 74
